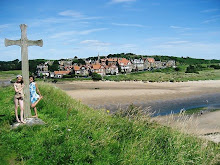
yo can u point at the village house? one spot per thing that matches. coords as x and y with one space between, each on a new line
68 68
98 68
125 65
52 75
112 61
103 61
84 70
170 63
42 69
50 62
149 63
65 65
138 64
76 70
60 74
158 65
111 69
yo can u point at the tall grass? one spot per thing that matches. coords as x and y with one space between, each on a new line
77 134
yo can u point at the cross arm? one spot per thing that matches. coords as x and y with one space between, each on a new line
12 42
35 43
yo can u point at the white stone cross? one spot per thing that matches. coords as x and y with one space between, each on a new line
24 43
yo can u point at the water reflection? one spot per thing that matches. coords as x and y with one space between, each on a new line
164 107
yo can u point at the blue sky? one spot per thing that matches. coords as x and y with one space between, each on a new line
85 28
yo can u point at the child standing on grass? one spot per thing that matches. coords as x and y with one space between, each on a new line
19 98
35 98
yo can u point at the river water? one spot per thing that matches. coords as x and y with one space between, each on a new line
164 107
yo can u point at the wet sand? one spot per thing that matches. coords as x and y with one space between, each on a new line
99 93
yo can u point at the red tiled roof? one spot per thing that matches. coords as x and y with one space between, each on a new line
151 60
112 59
61 72
124 61
75 67
97 66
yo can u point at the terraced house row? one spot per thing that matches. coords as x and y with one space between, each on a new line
104 66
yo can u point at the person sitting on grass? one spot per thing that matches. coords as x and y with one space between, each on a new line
19 98
35 98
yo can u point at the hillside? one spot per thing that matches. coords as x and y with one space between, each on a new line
77 134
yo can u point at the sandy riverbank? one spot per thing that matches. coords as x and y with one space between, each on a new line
206 125
113 93
96 93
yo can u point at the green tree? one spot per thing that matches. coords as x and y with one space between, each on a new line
96 76
54 66
191 69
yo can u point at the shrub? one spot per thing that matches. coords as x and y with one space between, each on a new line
96 76
191 69
177 69
67 76
215 66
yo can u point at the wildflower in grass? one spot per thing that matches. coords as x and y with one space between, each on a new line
108 111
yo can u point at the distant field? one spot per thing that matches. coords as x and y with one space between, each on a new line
167 76
7 75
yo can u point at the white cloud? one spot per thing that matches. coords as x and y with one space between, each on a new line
180 28
85 32
121 1
209 10
63 34
129 46
3 26
214 18
95 43
128 25
177 42
71 33
210 20
76 15
71 13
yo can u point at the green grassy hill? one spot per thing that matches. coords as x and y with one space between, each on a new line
77 134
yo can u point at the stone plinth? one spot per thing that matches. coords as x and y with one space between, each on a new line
29 122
